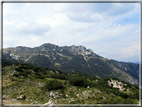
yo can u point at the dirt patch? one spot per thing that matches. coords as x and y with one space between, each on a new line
11 101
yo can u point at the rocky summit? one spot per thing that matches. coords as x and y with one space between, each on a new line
77 59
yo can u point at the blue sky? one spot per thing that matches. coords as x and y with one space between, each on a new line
111 30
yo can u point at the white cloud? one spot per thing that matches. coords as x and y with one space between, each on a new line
137 31
54 20
107 29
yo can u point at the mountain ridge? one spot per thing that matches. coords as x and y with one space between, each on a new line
74 59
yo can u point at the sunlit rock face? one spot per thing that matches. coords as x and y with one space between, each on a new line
117 84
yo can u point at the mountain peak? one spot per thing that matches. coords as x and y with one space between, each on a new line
75 49
80 49
48 44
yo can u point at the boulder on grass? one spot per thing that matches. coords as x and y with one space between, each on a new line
21 97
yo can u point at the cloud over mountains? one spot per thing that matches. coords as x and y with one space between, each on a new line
109 29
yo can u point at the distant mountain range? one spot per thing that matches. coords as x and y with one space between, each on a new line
73 58
136 62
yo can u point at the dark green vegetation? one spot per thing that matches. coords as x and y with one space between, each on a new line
7 60
53 85
40 85
76 59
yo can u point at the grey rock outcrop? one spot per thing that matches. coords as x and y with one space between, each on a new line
54 95
49 102
116 84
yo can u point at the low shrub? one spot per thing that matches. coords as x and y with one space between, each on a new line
79 81
53 85
16 74
60 76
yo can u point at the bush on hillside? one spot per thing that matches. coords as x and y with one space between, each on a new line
53 85
16 74
19 69
79 81
60 76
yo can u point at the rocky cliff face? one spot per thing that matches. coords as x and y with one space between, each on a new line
74 59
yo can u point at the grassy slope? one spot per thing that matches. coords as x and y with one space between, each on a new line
34 89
